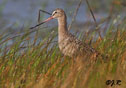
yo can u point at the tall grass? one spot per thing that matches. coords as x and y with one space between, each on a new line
41 65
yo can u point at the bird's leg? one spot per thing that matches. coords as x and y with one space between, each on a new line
73 62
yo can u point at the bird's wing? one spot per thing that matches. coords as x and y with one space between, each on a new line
83 46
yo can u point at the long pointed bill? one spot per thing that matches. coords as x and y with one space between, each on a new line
50 18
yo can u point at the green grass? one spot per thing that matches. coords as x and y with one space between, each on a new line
27 65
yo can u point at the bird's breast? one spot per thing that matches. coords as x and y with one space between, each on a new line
68 47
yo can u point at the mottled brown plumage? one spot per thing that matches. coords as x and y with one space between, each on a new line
68 43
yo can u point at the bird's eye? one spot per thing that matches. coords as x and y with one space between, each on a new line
54 13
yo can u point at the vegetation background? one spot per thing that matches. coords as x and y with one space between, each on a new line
32 59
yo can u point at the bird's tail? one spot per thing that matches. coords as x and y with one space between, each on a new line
99 55
102 56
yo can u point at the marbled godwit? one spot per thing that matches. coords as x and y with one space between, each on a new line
68 43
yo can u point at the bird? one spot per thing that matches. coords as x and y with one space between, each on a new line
68 44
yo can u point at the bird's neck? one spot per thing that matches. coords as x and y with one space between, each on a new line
62 27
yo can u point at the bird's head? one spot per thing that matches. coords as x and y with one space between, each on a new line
56 14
